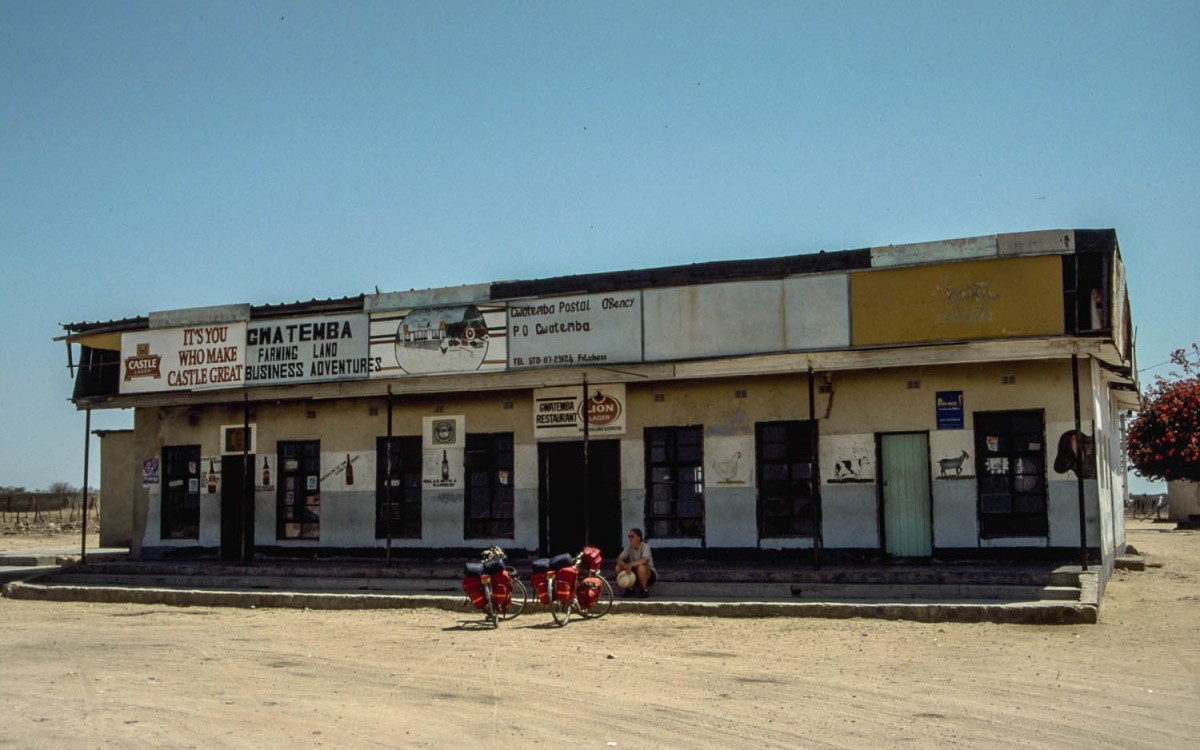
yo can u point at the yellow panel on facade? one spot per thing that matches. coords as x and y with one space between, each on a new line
955 301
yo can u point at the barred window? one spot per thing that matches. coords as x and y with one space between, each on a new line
181 491
675 481
398 488
787 494
1010 463
489 486
298 510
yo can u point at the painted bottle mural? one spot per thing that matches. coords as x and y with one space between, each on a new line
266 473
212 478
445 467
349 470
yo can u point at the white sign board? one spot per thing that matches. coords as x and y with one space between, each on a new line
183 359
557 411
441 340
307 350
579 330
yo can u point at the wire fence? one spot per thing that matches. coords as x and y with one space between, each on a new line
28 510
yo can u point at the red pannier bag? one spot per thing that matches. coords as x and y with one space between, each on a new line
564 584
541 585
501 590
474 588
591 558
588 592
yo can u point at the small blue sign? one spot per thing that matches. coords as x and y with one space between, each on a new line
949 410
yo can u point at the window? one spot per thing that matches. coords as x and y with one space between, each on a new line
787 493
398 488
298 512
1086 293
675 481
489 486
181 491
1010 462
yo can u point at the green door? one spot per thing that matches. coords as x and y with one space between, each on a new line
904 471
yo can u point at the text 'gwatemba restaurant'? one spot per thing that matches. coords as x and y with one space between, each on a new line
954 399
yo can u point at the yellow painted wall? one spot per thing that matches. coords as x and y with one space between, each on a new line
956 301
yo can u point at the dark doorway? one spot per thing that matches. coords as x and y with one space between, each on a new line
237 504
565 523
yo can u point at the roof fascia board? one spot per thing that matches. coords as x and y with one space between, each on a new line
197 316
470 294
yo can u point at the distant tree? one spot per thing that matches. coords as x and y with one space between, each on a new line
1164 437
62 488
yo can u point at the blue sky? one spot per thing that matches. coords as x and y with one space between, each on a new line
165 155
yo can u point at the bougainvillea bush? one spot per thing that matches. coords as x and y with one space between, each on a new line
1164 437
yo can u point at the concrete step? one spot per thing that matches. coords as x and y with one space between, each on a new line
682 590
835 592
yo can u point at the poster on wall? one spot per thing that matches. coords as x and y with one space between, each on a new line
150 472
438 340
236 440
949 405
444 442
307 350
183 359
576 330
558 412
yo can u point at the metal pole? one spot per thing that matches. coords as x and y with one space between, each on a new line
87 445
1083 549
812 416
387 482
247 487
586 478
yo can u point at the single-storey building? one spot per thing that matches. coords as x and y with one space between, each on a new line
951 399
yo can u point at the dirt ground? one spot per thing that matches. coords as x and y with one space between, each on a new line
95 676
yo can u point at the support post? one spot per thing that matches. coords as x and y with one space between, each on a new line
812 416
387 483
247 485
1083 549
87 446
587 482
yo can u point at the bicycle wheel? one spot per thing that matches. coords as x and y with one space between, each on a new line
603 602
520 597
561 612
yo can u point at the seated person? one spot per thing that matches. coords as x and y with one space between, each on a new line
637 559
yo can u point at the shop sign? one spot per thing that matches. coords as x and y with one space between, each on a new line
949 410
183 359
438 340
578 330
308 350
558 412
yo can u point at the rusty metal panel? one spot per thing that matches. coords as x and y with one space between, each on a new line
818 311
1117 305
984 299
934 252
713 320
1050 241
200 316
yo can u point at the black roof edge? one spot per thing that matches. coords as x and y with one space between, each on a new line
1095 240
314 307
696 273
